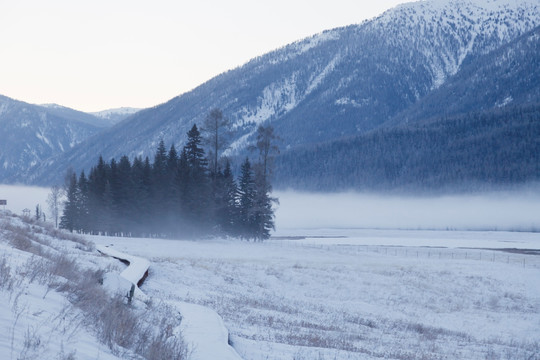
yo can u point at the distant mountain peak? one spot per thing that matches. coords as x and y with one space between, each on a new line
52 106
114 116
339 83
105 114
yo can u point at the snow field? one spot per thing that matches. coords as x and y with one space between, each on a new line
57 308
331 299
331 294
201 327
38 322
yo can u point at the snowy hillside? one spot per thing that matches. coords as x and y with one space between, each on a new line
348 294
342 82
114 116
75 115
332 293
465 27
62 301
31 134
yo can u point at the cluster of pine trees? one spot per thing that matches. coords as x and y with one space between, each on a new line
186 194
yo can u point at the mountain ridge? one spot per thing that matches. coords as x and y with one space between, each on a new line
338 83
48 130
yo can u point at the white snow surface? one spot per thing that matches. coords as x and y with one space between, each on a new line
37 322
202 328
326 287
357 294
107 114
137 265
453 18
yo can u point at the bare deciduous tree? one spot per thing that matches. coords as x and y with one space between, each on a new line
216 131
267 148
53 200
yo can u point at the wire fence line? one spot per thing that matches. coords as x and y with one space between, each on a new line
518 257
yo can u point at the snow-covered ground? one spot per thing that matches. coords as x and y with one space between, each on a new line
358 294
331 284
38 322
58 302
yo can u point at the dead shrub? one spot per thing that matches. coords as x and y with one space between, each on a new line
6 278
162 346
19 241
64 266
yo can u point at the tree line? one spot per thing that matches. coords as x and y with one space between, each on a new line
476 151
186 193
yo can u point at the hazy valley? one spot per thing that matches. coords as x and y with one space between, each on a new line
405 197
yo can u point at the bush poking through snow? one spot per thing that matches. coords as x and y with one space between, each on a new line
6 279
143 331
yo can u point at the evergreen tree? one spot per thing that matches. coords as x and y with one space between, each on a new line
263 213
171 198
159 192
82 200
97 180
108 210
181 194
172 162
115 185
195 153
140 195
229 209
124 195
69 220
197 195
160 160
245 223
262 208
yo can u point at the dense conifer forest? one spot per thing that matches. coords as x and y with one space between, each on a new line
475 151
180 194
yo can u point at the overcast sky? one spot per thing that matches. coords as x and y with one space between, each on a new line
100 54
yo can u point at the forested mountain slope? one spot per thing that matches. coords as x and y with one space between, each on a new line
29 134
340 83
507 76
468 152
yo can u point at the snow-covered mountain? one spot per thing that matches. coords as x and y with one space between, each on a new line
342 82
113 116
505 77
29 134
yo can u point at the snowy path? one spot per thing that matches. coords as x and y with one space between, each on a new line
137 268
202 327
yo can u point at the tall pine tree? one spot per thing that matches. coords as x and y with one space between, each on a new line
246 199
69 219
197 198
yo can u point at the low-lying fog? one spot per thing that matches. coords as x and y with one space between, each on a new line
24 197
515 210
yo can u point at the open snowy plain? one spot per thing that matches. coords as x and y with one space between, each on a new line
358 297
334 283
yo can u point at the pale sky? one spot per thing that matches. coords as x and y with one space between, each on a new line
101 54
